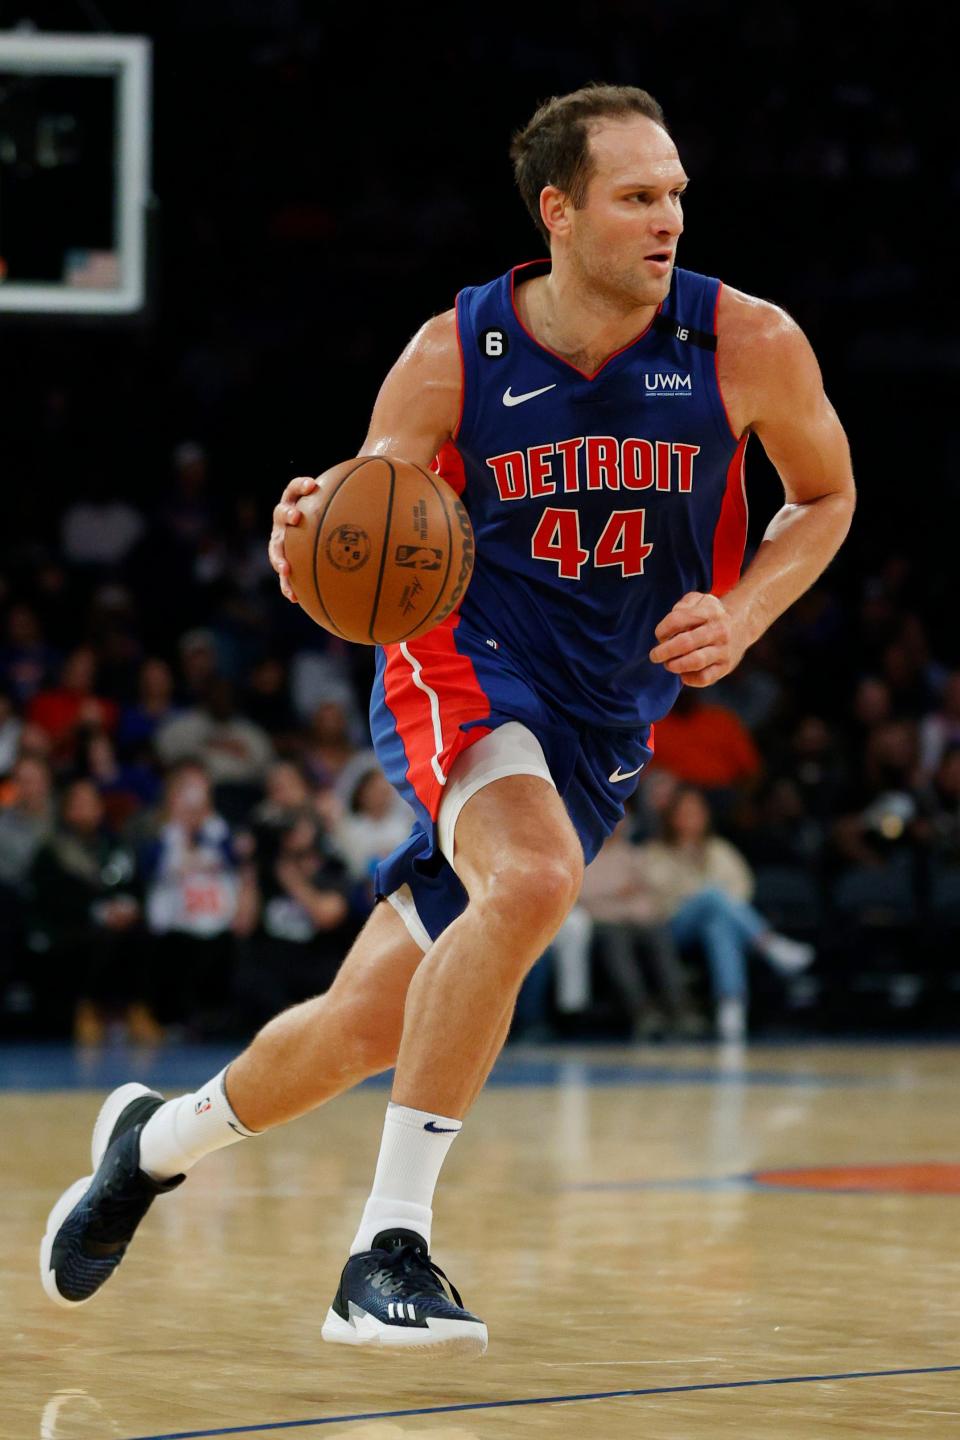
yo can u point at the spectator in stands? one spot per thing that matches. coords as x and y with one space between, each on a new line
881 809
199 890
234 750
629 929
299 926
199 665
26 820
11 728
940 729
26 660
943 807
266 700
328 745
375 823
153 706
84 926
707 745
287 793
702 887
74 703
125 786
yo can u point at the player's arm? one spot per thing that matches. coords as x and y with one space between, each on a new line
777 391
415 412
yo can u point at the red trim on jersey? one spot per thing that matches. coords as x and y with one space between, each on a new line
460 697
730 536
541 346
448 464
463 368
716 360
650 739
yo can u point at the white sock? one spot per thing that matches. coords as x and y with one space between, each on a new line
182 1131
414 1146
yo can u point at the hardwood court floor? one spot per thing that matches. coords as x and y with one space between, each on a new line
597 1211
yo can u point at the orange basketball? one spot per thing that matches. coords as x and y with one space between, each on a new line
384 550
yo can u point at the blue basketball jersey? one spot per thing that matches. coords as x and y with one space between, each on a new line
597 501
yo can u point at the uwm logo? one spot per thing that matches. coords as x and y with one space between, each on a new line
664 384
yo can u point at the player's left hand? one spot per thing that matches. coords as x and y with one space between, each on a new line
700 640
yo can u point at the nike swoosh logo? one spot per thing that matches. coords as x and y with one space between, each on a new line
618 775
440 1129
509 399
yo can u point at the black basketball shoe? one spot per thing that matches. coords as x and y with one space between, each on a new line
91 1225
390 1296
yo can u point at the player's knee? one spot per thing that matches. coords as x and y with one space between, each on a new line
533 889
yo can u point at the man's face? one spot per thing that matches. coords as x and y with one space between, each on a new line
623 241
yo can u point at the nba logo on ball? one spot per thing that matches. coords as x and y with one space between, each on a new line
348 547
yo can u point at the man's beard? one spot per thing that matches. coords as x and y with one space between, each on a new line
623 287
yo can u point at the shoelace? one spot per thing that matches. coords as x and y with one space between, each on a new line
411 1261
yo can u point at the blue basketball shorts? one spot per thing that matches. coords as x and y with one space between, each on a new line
435 697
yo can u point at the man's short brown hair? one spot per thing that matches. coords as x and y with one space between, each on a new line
553 148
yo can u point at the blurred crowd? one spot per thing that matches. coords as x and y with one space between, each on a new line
190 810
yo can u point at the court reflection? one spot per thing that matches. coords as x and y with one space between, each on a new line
75 1415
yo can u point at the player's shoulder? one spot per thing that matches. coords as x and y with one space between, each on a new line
433 351
436 335
759 330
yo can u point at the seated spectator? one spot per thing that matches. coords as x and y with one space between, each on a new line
881 809
780 829
153 706
625 915
706 745
267 700
377 820
233 749
941 728
197 888
26 820
85 914
702 887
26 660
299 926
11 728
942 807
74 703
125 786
199 664
328 744
287 793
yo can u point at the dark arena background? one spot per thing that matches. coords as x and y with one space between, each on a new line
698 1229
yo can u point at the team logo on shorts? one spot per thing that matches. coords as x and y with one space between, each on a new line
418 557
348 547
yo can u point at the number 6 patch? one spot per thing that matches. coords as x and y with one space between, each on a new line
493 343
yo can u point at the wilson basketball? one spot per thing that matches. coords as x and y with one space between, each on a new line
384 551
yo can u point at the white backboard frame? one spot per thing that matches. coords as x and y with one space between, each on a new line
128 59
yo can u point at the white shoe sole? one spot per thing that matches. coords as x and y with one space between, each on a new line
449 1337
110 1111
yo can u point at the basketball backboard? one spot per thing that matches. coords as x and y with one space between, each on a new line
74 173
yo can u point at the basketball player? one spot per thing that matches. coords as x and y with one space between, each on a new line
592 409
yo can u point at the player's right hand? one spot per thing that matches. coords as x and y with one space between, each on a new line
285 513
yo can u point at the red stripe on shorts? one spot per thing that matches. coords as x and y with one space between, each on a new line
430 727
730 536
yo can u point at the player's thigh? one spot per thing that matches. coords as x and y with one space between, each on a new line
514 839
371 985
